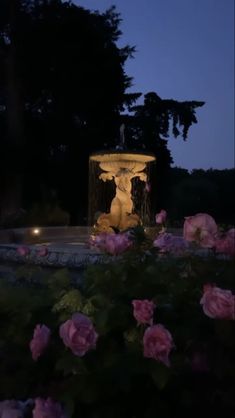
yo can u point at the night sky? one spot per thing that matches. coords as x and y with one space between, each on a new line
185 51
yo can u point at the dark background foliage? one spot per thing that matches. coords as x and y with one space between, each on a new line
201 191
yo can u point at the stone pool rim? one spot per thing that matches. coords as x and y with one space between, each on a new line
60 253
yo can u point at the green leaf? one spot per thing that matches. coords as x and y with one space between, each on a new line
225 332
102 321
59 280
99 301
132 335
71 301
28 272
160 374
88 308
71 364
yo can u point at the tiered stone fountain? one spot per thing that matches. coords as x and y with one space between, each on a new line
68 246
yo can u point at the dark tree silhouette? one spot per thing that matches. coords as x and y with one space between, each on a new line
151 125
205 191
62 87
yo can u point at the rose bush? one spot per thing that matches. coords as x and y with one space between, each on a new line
146 333
111 243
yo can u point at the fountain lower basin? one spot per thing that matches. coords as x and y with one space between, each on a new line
65 246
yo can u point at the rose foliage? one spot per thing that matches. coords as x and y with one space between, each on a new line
144 335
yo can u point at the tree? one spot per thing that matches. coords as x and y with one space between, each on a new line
67 87
149 128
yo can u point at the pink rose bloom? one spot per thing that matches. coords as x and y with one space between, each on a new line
226 244
42 251
47 408
23 250
200 228
161 217
169 243
158 343
10 409
113 244
231 233
98 241
79 334
143 311
117 243
12 413
218 303
38 344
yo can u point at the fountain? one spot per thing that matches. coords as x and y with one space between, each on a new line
122 168
118 200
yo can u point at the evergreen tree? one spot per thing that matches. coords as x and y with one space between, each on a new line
149 128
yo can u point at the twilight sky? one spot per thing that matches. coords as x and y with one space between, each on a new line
185 51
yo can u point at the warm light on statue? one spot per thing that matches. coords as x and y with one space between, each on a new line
121 168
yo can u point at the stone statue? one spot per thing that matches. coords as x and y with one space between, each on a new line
121 214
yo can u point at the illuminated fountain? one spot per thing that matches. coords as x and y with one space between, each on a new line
125 170
119 198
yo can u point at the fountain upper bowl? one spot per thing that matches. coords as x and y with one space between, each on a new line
122 156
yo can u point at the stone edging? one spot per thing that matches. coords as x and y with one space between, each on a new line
54 258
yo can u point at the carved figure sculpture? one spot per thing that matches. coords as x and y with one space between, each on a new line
121 214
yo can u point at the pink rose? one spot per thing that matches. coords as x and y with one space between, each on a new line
200 228
113 244
231 233
143 311
42 251
40 341
117 243
98 241
161 217
226 244
169 243
218 303
47 408
23 250
12 413
79 334
158 343
10 409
